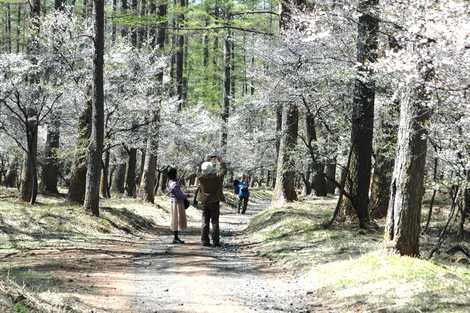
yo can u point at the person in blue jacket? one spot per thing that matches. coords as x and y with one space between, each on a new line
243 195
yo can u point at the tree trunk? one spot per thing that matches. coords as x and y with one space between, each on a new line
149 180
179 55
131 171
113 23
18 28
226 91
50 169
284 190
95 146
330 174
28 187
363 114
104 185
384 161
318 183
76 192
124 8
134 30
11 176
407 188
119 178
142 29
306 181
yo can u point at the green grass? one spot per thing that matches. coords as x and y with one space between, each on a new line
349 270
54 222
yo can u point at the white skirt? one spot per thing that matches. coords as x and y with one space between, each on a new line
178 216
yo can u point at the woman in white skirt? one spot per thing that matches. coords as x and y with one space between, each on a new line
178 210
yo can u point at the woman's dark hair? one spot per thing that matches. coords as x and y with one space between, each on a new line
172 173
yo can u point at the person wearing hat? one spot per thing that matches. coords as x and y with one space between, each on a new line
210 193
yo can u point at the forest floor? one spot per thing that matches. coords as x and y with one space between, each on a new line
55 258
125 262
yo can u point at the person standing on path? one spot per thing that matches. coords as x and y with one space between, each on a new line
210 193
178 208
243 195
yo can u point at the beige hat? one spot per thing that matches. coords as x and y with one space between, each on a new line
208 168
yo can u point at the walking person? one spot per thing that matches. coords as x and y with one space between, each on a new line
178 205
243 195
210 194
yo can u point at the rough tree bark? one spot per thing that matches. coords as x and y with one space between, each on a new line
76 193
384 161
119 177
226 89
284 189
11 177
330 175
104 184
404 212
50 169
149 179
363 114
95 146
131 172
29 182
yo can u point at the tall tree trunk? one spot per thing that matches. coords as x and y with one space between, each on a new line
205 45
11 177
134 30
330 175
363 113
318 183
119 178
18 28
143 29
226 90
179 55
149 179
76 193
104 185
404 213
113 23
124 9
131 171
8 27
28 187
95 146
384 161
50 169
284 190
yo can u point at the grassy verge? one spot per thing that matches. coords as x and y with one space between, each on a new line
50 249
348 268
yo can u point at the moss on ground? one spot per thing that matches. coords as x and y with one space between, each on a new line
349 269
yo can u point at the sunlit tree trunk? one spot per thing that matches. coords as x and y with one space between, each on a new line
95 146
407 187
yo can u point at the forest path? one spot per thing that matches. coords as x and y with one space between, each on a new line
192 278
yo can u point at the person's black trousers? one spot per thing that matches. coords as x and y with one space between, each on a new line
210 215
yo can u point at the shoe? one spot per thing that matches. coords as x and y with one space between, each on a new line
217 245
206 244
178 241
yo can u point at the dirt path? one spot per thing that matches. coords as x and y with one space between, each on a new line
152 275
191 278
